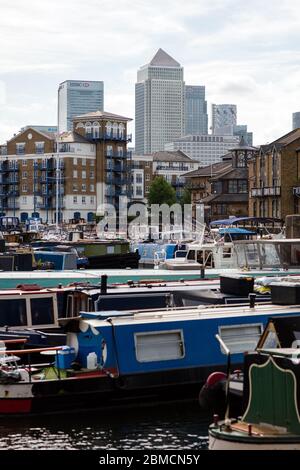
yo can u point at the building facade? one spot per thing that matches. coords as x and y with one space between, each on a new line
206 149
223 188
224 118
296 120
91 167
77 97
171 165
196 118
274 177
159 104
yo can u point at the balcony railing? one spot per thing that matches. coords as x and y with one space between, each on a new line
172 168
272 191
257 192
111 136
118 155
296 190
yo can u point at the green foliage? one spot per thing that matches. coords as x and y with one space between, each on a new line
186 197
161 192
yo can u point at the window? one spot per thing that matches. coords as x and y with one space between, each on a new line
83 200
13 312
75 173
159 346
92 187
20 148
74 199
147 177
24 188
24 175
92 199
24 162
24 199
75 187
83 161
139 191
92 162
240 338
75 161
39 147
92 174
109 150
139 178
83 187
83 174
147 189
42 311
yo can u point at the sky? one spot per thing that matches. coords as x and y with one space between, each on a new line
246 52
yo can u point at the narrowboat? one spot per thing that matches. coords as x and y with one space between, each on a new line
115 358
271 419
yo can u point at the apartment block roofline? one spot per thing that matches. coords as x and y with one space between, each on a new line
102 115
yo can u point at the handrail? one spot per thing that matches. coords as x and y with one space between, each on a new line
28 351
227 352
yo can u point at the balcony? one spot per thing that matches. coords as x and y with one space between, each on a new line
272 191
14 193
172 168
178 184
296 191
120 156
116 168
94 136
257 192
116 181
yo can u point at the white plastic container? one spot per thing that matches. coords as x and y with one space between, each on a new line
92 361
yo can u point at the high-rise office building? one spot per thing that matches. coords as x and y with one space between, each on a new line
296 120
76 97
196 118
159 103
241 130
224 118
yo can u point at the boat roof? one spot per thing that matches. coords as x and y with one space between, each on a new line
235 231
237 220
209 312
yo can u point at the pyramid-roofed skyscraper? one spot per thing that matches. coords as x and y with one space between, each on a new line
159 103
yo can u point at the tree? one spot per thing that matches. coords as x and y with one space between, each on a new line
186 197
161 192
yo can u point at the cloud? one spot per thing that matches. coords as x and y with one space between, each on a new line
244 52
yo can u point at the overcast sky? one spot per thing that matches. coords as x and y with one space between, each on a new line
246 52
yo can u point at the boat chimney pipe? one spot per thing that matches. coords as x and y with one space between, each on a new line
103 287
252 298
202 272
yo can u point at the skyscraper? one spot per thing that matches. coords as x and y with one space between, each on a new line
159 103
196 119
296 120
76 97
224 118
241 130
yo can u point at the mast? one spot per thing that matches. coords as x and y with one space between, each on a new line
57 178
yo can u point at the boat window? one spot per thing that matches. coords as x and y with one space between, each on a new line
42 311
91 305
191 254
159 346
226 252
69 311
240 338
13 312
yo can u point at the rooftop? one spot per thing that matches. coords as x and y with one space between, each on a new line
210 170
162 59
172 156
102 115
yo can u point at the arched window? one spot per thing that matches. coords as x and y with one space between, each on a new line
115 129
121 131
108 128
88 128
80 125
96 130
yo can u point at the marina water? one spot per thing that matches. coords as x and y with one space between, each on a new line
173 426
